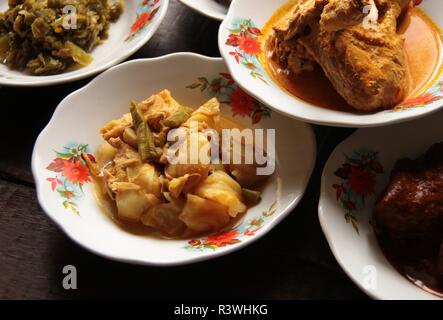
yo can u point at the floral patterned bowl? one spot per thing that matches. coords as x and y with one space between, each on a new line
64 186
241 42
357 171
134 28
211 8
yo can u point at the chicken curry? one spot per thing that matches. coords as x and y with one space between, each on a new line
330 54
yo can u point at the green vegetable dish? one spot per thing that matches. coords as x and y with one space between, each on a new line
51 36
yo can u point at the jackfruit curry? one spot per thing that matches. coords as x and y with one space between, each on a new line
145 191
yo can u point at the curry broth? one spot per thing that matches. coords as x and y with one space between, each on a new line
423 47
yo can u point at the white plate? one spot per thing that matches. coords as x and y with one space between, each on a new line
357 253
256 81
79 116
209 8
121 44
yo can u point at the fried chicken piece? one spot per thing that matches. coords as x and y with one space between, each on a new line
364 61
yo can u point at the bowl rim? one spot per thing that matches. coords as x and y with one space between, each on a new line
184 261
333 248
333 121
209 14
23 83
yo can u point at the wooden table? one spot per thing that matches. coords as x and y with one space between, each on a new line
291 262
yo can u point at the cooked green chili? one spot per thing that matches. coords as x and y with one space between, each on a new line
177 119
251 196
145 139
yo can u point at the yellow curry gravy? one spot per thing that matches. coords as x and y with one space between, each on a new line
423 47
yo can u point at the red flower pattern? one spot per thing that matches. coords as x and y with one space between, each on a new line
222 239
54 182
226 90
431 96
256 117
377 167
228 77
338 190
422 100
153 4
141 21
237 55
232 236
242 104
249 45
194 243
255 31
350 205
216 87
72 172
233 40
67 194
358 179
245 38
361 181
57 165
144 18
76 172
251 233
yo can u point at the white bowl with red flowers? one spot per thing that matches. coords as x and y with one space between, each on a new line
214 9
354 177
63 181
241 42
136 25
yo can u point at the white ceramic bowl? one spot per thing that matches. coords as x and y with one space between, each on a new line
252 77
208 8
79 116
134 28
359 253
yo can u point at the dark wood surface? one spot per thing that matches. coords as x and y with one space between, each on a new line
291 262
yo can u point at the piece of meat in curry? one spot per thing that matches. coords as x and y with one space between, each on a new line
409 214
365 62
